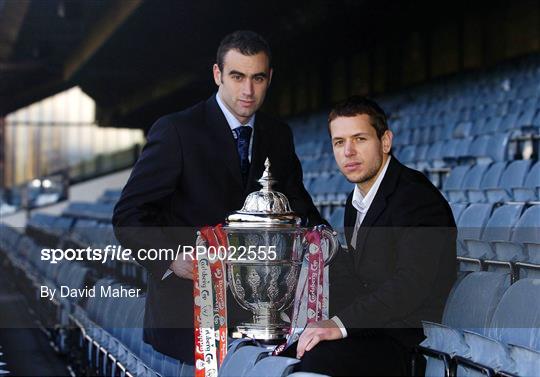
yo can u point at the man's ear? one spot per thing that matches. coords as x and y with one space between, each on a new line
387 141
217 74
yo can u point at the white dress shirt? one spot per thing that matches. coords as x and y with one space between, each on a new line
235 123
362 203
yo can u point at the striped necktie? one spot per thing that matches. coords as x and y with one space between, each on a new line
243 137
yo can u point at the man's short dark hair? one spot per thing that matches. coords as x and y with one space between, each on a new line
357 105
247 42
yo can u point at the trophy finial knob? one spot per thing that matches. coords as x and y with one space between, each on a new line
266 180
265 207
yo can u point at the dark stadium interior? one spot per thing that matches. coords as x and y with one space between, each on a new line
140 59
460 81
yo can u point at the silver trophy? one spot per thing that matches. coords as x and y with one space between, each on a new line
269 244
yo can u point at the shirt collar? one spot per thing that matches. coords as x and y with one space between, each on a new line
231 120
361 202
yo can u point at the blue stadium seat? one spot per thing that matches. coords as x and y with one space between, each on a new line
472 179
480 293
404 137
448 130
517 317
309 167
453 184
479 123
526 117
486 352
491 178
338 188
498 229
526 361
336 220
42 221
462 130
509 122
449 149
479 148
457 209
272 366
240 362
320 189
62 226
527 235
530 190
436 134
434 154
536 120
421 152
110 196
498 146
492 124
407 154
463 147
417 135
445 340
472 223
513 176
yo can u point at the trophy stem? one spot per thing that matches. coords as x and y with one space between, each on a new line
265 316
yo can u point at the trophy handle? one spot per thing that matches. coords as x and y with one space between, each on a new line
333 243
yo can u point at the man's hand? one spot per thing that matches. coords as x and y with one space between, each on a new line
315 333
183 268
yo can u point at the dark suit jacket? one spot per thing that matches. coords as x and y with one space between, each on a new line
403 265
188 176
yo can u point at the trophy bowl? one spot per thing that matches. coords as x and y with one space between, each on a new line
265 284
268 246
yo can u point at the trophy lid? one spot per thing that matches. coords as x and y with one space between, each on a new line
264 208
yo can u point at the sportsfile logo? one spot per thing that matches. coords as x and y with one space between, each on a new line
118 253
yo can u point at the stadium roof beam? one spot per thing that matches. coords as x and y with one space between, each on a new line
11 20
158 90
114 17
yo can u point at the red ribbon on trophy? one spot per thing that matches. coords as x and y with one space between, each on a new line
210 304
311 298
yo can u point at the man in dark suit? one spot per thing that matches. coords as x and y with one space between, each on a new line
400 263
197 166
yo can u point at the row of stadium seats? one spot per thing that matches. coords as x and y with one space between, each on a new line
110 332
499 237
488 327
510 124
99 335
110 196
94 211
483 148
514 81
517 181
79 233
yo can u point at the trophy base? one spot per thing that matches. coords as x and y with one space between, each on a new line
267 335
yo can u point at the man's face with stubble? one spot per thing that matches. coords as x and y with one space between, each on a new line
243 82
